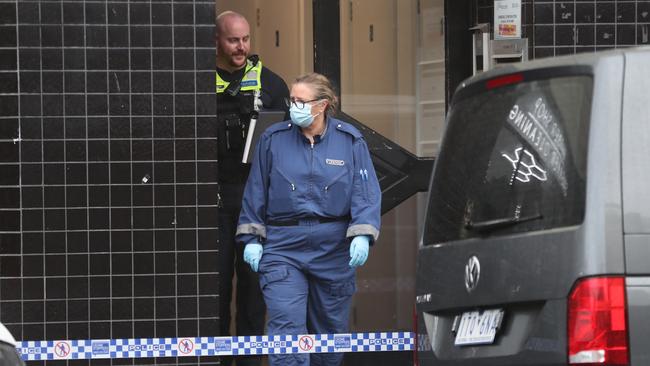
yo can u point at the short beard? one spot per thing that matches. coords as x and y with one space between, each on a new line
236 65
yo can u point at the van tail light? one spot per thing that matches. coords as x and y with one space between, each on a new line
504 81
597 322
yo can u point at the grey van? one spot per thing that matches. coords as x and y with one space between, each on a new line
536 247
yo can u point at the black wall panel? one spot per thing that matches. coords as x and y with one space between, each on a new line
108 171
553 28
556 28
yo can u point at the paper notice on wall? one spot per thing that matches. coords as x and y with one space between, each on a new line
507 19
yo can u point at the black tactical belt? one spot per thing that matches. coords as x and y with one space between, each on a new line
296 222
230 118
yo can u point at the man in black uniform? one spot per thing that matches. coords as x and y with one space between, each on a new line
243 86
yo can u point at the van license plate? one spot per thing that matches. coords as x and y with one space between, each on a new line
478 327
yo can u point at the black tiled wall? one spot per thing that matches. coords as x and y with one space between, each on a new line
556 28
108 207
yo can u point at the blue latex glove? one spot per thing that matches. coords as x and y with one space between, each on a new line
359 250
253 254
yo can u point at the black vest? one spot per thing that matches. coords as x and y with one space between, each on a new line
233 116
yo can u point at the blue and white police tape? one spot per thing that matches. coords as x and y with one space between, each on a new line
215 346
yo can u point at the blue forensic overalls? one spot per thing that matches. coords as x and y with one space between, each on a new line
305 202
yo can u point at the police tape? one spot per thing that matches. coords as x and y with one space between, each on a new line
215 346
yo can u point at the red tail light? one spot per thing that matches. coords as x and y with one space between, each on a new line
597 323
504 80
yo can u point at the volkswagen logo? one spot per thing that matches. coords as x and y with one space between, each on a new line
472 273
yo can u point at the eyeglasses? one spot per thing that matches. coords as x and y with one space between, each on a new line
300 104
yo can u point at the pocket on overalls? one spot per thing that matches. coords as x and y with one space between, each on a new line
343 289
336 194
274 275
282 194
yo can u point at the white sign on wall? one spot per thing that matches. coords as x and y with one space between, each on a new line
507 19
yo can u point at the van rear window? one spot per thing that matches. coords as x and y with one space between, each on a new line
513 160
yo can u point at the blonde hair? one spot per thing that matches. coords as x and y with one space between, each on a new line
322 89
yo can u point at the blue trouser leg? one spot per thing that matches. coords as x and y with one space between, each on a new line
285 292
307 285
328 312
331 287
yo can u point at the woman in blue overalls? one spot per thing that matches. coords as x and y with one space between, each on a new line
311 208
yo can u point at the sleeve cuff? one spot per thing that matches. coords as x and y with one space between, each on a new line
363 229
254 230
